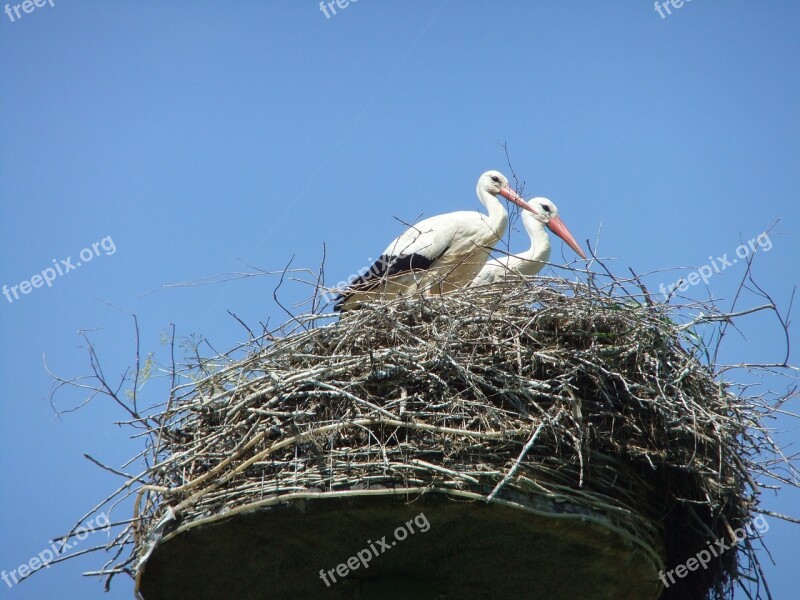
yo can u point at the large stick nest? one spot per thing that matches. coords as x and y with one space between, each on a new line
543 389
558 391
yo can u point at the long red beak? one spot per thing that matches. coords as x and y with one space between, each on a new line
557 226
514 197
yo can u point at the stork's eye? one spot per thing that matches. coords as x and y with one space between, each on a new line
545 208
495 178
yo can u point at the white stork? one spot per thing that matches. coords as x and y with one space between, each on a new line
439 254
543 213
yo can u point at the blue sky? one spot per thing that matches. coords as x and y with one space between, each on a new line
200 136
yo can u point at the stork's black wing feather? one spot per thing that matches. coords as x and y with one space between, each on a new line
382 269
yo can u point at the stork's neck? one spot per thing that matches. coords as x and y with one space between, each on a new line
498 217
540 240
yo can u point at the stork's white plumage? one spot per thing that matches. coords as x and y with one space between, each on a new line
439 254
544 214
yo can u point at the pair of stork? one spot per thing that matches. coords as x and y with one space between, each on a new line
448 252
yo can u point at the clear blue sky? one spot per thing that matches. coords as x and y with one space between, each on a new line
197 134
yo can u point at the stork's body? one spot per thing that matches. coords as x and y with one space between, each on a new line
439 254
530 262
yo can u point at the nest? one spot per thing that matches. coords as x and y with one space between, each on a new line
544 389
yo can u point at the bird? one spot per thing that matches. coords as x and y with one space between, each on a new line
439 254
543 213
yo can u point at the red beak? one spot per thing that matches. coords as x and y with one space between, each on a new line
514 197
557 226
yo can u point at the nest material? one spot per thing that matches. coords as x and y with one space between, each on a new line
556 391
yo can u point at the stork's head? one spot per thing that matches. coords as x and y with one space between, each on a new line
545 211
494 183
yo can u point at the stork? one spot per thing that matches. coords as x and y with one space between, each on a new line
543 213
439 254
